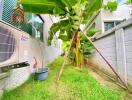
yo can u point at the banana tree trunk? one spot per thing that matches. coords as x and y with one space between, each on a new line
76 50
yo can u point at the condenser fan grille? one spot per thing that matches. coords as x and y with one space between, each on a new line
7 44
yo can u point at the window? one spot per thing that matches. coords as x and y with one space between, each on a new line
38 27
110 25
38 34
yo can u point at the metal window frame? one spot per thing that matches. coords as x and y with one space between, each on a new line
1 8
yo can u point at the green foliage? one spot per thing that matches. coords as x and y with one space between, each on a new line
71 12
86 47
65 45
91 32
58 11
73 85
112 6
41 6
91 7
129 1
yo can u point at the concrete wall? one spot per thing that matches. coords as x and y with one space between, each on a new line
128 48
116 47
16 77
98 22
27 49
122 12
47 24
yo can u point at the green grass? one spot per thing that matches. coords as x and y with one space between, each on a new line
74 85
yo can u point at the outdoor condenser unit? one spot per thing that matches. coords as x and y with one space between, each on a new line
14 45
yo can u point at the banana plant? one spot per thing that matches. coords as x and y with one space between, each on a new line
72 14
129 1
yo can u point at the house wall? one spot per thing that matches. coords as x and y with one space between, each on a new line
128 48
15 77
123 12
106 1
98 22
116 47
47 24
27 49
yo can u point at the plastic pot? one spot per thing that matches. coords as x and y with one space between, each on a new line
41 74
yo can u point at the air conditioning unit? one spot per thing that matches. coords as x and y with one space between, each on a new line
14 45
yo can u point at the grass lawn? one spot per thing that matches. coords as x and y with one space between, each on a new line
74 85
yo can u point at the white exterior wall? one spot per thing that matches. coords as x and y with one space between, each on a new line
15 77
116 46
106 1
50 53
27 50
128 46
47 24
108 49
123 12
98 22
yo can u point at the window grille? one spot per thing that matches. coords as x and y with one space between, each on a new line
7 16
27 27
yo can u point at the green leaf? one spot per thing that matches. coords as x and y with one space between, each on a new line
67 3
41 6
63 37
55 27
112 6
92 7
129 1
58 11
70 3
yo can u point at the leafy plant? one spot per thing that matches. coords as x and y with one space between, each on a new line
112 6
86 47
129 1
72 13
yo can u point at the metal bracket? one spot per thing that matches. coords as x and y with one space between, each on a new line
14 66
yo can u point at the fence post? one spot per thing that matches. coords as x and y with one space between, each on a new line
121 54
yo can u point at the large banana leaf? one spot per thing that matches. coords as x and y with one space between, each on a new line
72 12
41 6
91 7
